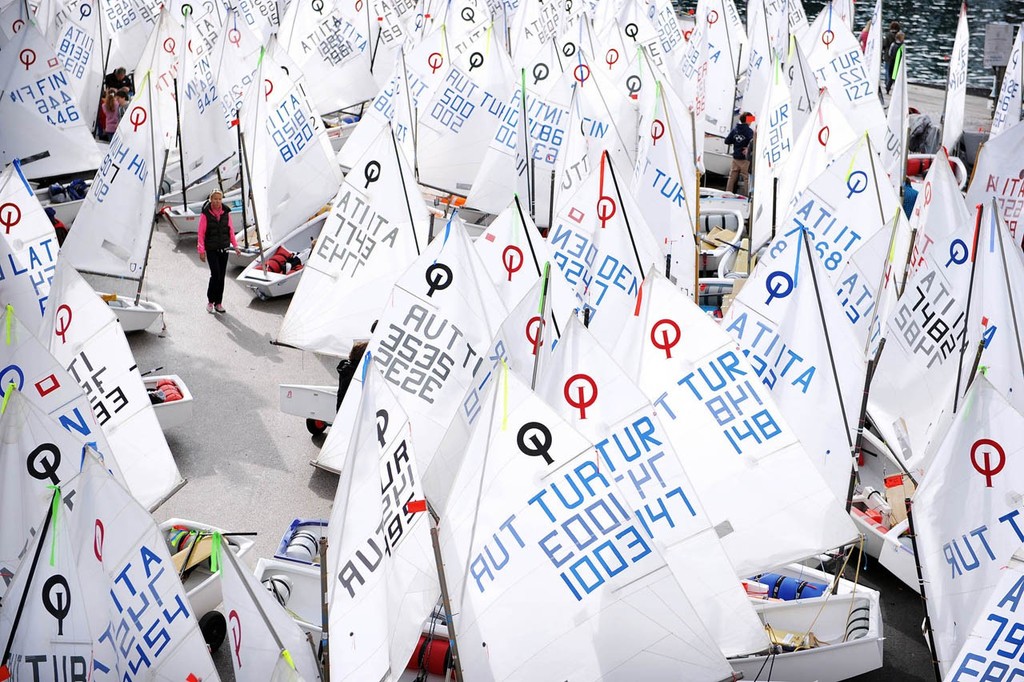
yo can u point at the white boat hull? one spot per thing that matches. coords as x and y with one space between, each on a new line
831 617
303 602
202 586
134 317
175 412
309 402
266 284
897 555
66 211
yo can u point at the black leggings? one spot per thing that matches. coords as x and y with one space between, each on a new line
218 262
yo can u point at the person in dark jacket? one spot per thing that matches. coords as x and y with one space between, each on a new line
740 138
890 61
58 225
216 236
348 366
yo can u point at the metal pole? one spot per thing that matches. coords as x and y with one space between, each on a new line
920 582
181 147
325 653
625 218
28 582
255 216
967 312
539 340
241 175
861 424
152 227
405 191
445 599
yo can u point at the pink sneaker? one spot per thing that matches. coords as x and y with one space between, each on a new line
219 308
209 308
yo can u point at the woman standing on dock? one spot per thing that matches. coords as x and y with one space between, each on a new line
216 234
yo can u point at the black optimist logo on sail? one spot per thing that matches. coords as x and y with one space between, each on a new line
534 440
439 277
57 600
371 173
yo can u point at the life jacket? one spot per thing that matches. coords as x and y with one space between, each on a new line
218 233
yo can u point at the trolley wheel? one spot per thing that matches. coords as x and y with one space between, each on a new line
316 426
214 629
260 295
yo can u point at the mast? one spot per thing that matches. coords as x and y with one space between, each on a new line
241 176
967 312
156 193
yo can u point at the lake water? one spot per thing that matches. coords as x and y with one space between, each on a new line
930 28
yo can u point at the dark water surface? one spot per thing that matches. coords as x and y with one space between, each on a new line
930 26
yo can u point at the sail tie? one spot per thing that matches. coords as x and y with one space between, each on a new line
11 388
7 325
215 553
54 512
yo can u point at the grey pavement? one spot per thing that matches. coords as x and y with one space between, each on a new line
247 463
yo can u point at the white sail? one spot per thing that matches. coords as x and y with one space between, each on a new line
261 633
843 210
237 55
997 175
261 16
330 43
795 336
83 334
290 162
664 182
962 547
205 139
894 153
433 341
38 376
939 212
825 135
513 254
161 59
111 599
112 231
1008 105
999 295
803 86
873 45
602 246
602 601
80 51
774 147
840 66
722 421
36 453
992 634
928 333
956 84
505 165
717 65
416 75
42 120
377 227
384 581
467 109
28 256
584 386
758 57
128 26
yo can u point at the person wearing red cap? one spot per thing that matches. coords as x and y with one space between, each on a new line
740 138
